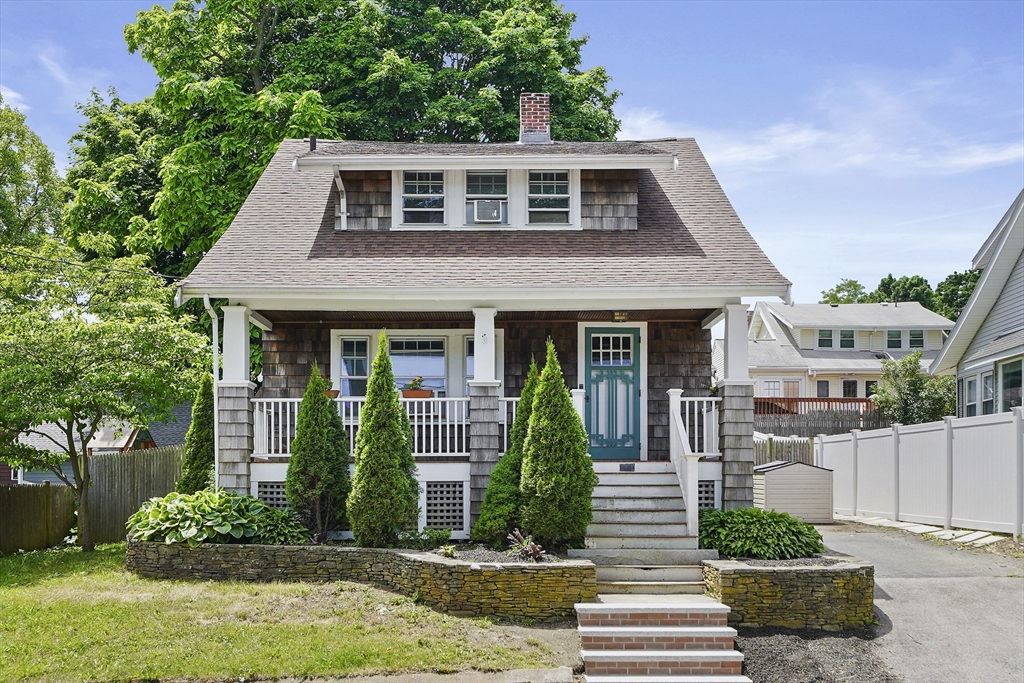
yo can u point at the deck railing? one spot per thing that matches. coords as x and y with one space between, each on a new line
789 405
693 433
808 416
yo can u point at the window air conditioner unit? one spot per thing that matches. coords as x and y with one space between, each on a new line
487 210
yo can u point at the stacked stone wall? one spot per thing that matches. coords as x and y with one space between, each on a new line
829 598
533 591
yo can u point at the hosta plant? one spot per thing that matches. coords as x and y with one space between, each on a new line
752 532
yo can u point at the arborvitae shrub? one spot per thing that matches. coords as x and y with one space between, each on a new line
558 477
502 507
197 467
317 479
384 490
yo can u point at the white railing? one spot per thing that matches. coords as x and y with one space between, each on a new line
440 426
700 418
693 433
506 418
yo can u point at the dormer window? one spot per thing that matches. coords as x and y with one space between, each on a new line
917 339
846 339
894 339
548 198
423 197
487 197
824 339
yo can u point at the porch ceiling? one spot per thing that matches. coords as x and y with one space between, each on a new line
680 315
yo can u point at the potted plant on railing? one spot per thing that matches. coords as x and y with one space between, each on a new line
414 389
330 393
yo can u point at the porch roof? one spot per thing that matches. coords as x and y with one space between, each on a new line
688 239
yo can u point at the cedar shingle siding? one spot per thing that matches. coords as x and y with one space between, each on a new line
608 199
678 356
368 196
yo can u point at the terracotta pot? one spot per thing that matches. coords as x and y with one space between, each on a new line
417 393
332 393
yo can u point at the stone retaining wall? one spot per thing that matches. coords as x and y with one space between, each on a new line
535 591
831 598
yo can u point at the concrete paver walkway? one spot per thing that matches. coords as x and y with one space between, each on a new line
956 616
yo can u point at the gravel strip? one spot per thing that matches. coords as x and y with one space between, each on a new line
483 554
816 561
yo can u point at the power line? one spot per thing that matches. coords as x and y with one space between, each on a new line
90 267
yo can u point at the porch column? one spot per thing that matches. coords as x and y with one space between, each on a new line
484 389
234 404
736 417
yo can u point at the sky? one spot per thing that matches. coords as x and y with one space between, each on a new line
854 139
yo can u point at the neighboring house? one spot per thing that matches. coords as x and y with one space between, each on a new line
7 475
986 348
471 256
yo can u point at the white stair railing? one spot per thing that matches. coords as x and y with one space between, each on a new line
684 459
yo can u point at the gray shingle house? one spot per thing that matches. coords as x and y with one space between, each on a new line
471 256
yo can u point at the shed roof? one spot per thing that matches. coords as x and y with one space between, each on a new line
779 464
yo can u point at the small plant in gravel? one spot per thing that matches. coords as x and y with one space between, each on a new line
448 551
524 548
756 533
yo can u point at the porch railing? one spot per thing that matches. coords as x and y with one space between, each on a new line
693 434
506 418
440 426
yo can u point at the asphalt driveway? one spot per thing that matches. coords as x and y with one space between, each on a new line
948 615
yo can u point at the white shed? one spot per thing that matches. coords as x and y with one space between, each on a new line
802 490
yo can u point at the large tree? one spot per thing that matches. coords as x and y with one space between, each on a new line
846 292
82 346
953 293
31 191
909 395
906 288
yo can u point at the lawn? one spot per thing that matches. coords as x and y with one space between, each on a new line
72 616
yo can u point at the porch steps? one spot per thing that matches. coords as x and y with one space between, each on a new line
658 639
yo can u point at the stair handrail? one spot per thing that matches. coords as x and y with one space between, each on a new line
684 460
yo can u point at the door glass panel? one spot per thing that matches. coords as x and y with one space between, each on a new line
613 408
791 388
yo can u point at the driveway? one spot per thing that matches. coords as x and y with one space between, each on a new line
947 614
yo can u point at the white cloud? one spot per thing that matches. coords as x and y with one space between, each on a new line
14 99
55 69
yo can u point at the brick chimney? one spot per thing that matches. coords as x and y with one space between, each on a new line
535 118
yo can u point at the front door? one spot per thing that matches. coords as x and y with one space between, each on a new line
613 392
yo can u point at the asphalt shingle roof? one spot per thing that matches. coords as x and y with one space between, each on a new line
342 147
1007 342
906 314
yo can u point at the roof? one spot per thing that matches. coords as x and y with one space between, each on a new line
172 432
860 316
998 256
779 464
1006 343
40 442
771 353
364 147
688 236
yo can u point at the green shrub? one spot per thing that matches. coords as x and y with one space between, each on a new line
558 477
197 467
317 481
752 532
428 539
503 502
384 493
214 516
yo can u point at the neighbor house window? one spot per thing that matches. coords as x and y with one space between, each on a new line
1011 386
846 339
849 388
486 197
870 388
548 197
791 388
894 339
822 388
988 394
824 339
423 197
772 387
917 339
354 367
971 399
412 358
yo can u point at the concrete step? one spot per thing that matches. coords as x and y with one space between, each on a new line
605 557
602 466
628 491
628 530
662 662
681 542
634 572
637 479
657 637
643 611
713 678
636 502
639 516
651 587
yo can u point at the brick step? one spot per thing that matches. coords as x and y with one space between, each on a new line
637 542
653 528
637 501
660 611
637 479
666 679
604 557
656 572
649 517
651 587
657 638
662 662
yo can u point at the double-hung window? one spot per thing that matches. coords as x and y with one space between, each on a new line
423 197
548 197
917 339
354 367
487 198
870 388
971 398
824 339
772 387
1011 381
419 358
822 388
846 339
894 339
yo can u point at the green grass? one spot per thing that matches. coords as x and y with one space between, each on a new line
72 616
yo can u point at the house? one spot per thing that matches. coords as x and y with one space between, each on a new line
986 348
471 256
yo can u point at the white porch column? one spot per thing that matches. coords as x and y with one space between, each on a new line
736 417
736 356
484 390
483 343
234 404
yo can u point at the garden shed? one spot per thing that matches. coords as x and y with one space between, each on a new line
802 490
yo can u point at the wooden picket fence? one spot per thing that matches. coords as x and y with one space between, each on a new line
35 516
769 448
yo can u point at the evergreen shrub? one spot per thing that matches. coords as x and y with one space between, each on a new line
385 493
752 532
558 476
197 466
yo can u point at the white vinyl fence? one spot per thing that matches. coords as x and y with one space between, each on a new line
962 472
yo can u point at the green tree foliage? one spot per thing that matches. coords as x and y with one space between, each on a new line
846 292
317 481
382 495
83 346
558 477
908 395
953 293
31 191
197 468
502 507
905 288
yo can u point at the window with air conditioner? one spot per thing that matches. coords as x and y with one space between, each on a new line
487 197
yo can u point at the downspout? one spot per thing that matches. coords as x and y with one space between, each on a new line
216 366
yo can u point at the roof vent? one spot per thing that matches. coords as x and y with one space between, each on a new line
312 143
834 305
535 118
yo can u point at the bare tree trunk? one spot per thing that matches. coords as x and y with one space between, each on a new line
84 532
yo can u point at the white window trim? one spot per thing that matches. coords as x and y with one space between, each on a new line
839 336
781 379
581 369
455 353
855 380
924 340
455 203
817 338
903 342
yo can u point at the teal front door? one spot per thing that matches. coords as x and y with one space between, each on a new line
613 392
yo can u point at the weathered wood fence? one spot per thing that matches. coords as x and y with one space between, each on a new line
31 519
769 448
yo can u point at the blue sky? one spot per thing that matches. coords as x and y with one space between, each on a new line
854 139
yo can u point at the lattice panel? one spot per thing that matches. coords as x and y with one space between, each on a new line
706 493
446 504
272 493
